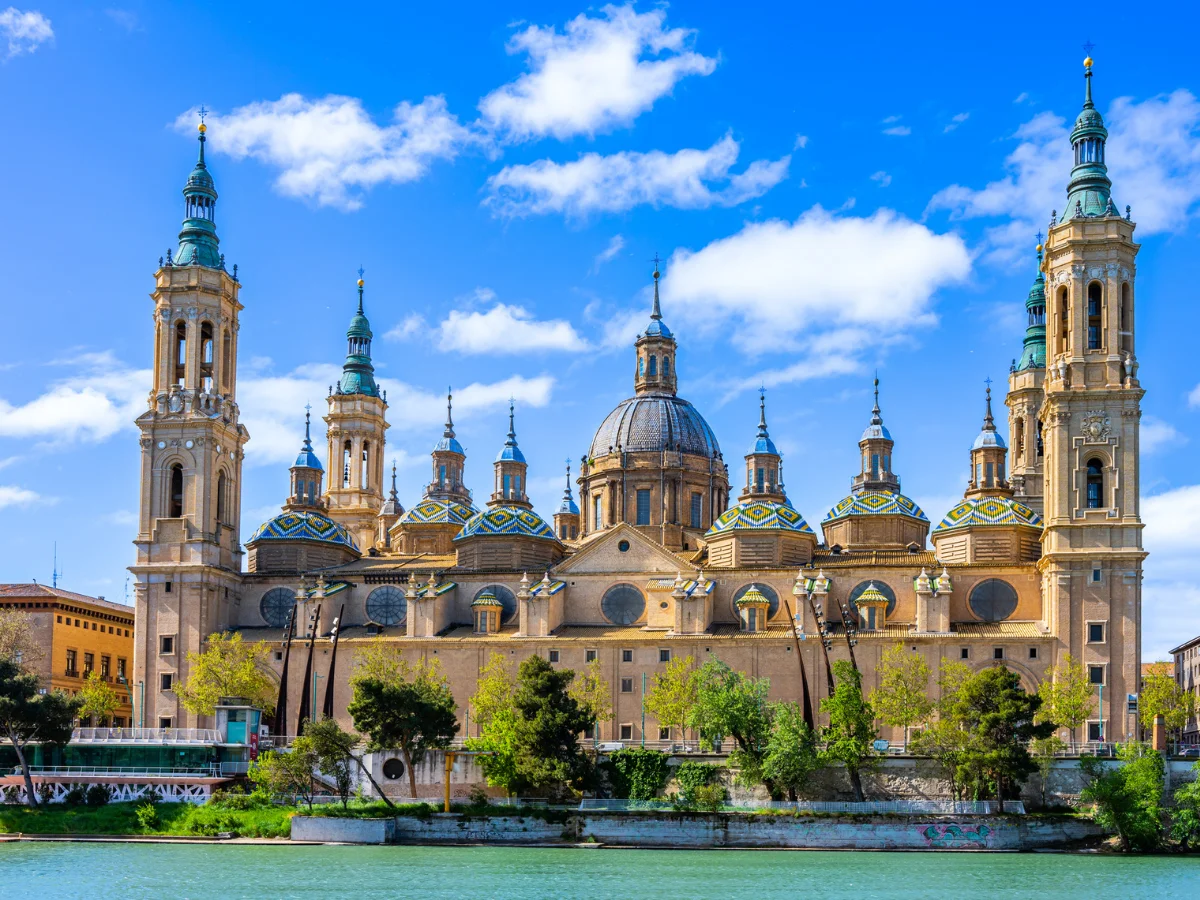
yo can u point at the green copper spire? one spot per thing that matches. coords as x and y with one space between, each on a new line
358 375
198 239
1090 190
1033 355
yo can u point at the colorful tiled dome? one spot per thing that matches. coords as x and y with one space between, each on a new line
876 503
983 511
872 596
753 597
655 422
759 515
506 520
303 525
486 598
437 512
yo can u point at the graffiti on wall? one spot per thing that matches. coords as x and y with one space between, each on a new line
955 837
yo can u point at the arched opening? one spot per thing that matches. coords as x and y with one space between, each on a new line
364 474
180 352
222 488
666 367
1064 323
346 461
641 366
1095 483
1019 439
175 506
1126 318
225 354
206 357
1095 308
652 368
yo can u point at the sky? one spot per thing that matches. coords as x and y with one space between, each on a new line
833 191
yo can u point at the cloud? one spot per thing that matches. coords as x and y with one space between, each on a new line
883 178
801 142
10 495
101 397
405 328
890 119
1153 158
1021 97
599 73
595 183
24 31
125 18
898 131
506 329
823 272
329 150
955 121
1169 594
1155 435
1194 397
615 245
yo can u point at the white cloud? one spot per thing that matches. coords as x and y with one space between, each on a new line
24 30
615 245
1021 97
823 273
598 73
1170 594
883 178
1157 434
1153 158
595 183
1194 397
10 495
330 149
890 119
801 142
125 18
405 328
898 131
955 121
506 329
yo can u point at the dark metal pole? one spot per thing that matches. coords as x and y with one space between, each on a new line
327 706
306 696
805 700
281 703
823 626
849 630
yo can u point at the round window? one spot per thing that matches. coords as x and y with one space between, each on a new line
623 604
508 600
879 586
387 605
765 589
993 600
276 605
622 546
393 769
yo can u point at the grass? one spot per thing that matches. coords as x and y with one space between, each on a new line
174 819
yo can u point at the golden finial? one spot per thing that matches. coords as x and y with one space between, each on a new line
203 114
1087 62
361 282
1039 248
203 128
1087 50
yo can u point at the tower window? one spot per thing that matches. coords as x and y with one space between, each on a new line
990 469
653 367
759 477
365 476
874 465
346 458
666 367
222 487
441 476
1126 318
1095 483
180 352
225 354
206 357
597 508
1063 320
641 366
643 505
175 509
1095 315
697 508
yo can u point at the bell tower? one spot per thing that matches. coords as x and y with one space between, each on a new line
1092 552
189 557
1026 391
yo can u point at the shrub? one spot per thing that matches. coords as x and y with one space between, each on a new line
709 797
76 795
11 793
98 795
45 792
477 797
151 795
639 773
1127 799
238 800
692 776
147 816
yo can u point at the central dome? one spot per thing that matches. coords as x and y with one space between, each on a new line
653 422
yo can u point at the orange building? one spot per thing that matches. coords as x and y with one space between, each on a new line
76 635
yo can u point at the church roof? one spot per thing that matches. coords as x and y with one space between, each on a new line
759 515
437 512
984 511
506 520
654 422
876 503
303 525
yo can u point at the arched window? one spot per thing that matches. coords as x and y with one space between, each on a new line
653 368
226 344
1064 321
1095 311
346 461
1095 483
1126 318
365 477
222 488
206 357
641 366
276 606
180 352
1019 439
387 605
175 507
666 366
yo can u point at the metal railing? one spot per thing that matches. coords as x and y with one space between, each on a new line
123 771
146 736
878 807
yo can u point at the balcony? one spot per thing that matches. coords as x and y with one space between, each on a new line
170 736
71 673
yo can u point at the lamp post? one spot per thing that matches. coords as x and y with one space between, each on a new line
643 710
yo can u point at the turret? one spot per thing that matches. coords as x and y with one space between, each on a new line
1089 193
566 519
655 351
389 513
875 447
764 478
510 469
988 456
448 458
307 474
198 238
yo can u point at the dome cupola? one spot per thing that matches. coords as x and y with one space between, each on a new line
358 373
198 243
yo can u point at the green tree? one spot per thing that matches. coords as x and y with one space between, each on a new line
412 717
97 698
1127 798
791 754
945 742
953 674
672 694
732 704
592 692
901 699
288 773
1067 695
227 667
1185 817
851 733
1045 751
494 690
335 759
17 642
1162 695
28 716
1000 719
639 773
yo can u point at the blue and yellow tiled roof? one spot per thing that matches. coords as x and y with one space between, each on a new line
759 515
753 597
303 525
437 512
506 520
984 511
876 503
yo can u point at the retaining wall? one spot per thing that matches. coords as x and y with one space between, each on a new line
343 831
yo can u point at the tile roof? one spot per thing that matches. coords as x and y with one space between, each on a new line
34 590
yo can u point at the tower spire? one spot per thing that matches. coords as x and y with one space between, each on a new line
656 310
198 241
395 497
989 424
358 372
876 418
449 432
1089 192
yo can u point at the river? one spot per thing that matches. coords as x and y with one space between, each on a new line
99 871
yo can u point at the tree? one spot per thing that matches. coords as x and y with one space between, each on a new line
333 747
413 717
945 742
97 697
999 717
638 773
593 693
953 674
28 716
228 667
791 754
1127 798
1067 695
672 694
1185 817
288 773
732 704
1045 751
17 642
901 699
494 690
1162 695
850 735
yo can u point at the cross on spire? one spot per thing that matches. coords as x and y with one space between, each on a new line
203 114
1088 47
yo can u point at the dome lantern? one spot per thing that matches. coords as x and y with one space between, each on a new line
198 242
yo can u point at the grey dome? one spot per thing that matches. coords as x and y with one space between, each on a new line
653 422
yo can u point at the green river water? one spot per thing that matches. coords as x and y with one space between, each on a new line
50 871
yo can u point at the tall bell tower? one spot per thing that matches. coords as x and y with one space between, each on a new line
1026 393
189 557
1092 552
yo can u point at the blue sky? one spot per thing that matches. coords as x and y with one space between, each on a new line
832 190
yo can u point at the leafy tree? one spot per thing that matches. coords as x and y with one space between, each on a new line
28 716
1127 799
696 782
945 742
227 667
288 773
334 749
410 716
1067 695
592 692
640 773
791 754
1185 817
732 704
901 699
97 697
1162 695
999 717
494 690
672 694
17 642
953 674
1044 751
850 734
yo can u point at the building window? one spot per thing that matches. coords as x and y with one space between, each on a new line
626 656
165 681
1095 483
1096 674
222 489
664 734
652 369
626 685
164 722
59 618
166 643
697 509
105 667
176 506
992 600
120 669
643 506
589 655
997 653
89 663
1095 324
627 729
597 509
166 588
664 656
554 656
1126 324
72 664
1095 731
1033 653
965 653
623 604
1095 632
278 656
1097 575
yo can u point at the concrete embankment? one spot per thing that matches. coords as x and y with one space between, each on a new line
718 830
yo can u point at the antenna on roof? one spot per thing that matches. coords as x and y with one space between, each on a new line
55 573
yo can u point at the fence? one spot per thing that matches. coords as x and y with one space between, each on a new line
880 807
121 771
146 736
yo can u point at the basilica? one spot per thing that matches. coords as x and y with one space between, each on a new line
662 547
